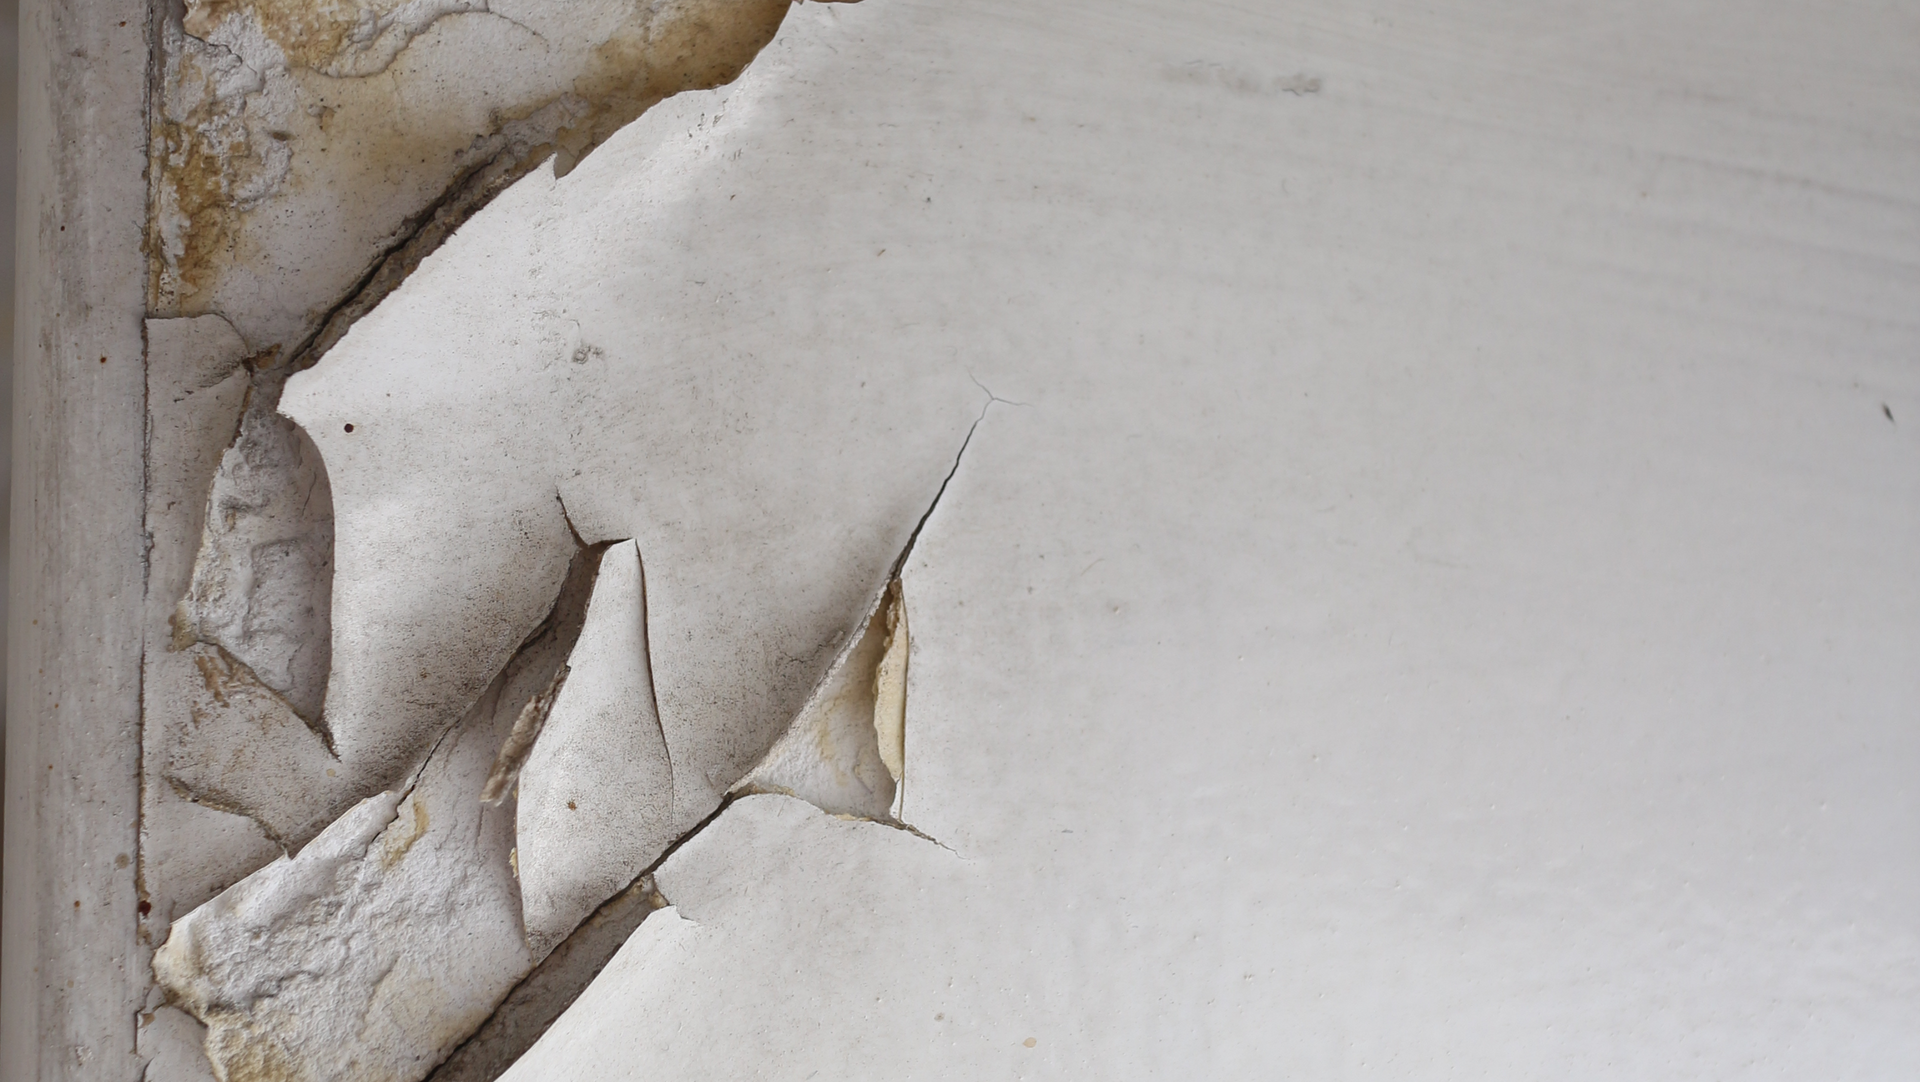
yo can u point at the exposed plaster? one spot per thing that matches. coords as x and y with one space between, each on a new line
395 932
829 757
338 128
270 137
1077 773
246 625
262 104
263 579
593 820
519 743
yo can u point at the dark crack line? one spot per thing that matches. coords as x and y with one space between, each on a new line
568 519
894 823
991 397
487 9
893 579
486 1073
653 686
913 538
466 195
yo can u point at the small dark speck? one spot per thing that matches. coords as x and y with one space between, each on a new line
1884 408
571 806
349 428
103 360
144 907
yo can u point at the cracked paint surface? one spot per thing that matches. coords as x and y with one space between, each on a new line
305 158
763 544
330 129
595 800
1283 694
395 932
755 597
358 136
399 930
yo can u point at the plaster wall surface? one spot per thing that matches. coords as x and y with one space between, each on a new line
1443 601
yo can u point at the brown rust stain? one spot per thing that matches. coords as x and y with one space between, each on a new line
349 138
213 677
313 33
205 157
399 837
247 1054
686 46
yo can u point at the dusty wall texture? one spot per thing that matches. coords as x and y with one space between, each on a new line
726 538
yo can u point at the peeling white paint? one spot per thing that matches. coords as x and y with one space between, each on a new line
387 939
329 129
171 1042
595 804
196 391
1343 653
890 686
196 388
764 541
830 757
1445 604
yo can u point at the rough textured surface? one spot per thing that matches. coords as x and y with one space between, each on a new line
232 773
295 144
595 805
196 390
170 1043
392 935
890 685
375 950
240 748
305 158
263 579
1442 605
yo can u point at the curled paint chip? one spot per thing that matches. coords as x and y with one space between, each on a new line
890 687
596 794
